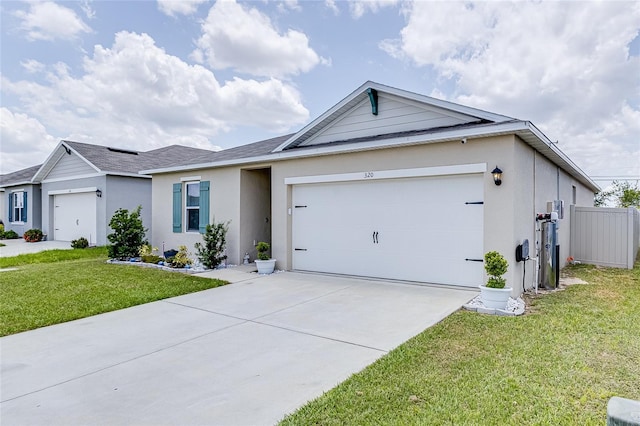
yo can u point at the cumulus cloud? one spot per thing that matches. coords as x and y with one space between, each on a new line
179 7
18 131
563 65
331 4
360 7
135 94
244 39
50 21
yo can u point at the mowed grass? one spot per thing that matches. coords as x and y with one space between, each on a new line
47 288
557 365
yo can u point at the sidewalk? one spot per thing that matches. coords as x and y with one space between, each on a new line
20 246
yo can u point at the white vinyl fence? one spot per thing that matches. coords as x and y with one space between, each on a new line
605 236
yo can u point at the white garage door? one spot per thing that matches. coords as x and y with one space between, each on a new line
427 229
75 216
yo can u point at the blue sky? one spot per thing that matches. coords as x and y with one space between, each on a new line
144 74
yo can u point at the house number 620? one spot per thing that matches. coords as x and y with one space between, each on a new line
368 175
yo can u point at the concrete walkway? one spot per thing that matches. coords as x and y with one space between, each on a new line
246 353
20 246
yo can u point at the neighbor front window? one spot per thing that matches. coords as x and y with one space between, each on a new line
17 205
192 206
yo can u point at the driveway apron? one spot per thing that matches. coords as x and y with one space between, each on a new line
246 353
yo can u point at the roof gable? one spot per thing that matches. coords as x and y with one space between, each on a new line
375 110
19 177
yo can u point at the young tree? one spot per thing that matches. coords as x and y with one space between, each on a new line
622 194
211 253
128 234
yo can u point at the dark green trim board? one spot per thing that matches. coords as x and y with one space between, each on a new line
204 207
10 204
177 207
373 98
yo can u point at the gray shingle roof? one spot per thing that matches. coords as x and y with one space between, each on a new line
19 177
116 160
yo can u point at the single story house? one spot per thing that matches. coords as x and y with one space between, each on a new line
386 184
20 201
80 186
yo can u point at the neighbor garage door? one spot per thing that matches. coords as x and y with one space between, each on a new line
427 229
75 216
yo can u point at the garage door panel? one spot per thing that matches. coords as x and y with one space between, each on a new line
75 216
424 228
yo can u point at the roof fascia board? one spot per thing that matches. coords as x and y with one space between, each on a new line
36 177
497 129
24 182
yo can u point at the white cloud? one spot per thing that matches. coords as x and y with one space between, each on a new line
50 21
135 94
360 7
242 38
32 66
18 131
331 4
182 7
563 65
85 5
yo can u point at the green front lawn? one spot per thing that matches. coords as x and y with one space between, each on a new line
62 285
557 365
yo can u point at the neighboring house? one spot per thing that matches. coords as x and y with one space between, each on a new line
80 186
386 184
21 201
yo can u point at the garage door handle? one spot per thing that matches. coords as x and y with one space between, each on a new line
474 202
375 237
474 260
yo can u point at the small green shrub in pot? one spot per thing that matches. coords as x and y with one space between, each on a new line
263 248
33 235
80 243
496 265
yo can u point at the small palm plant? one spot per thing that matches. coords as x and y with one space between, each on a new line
496 265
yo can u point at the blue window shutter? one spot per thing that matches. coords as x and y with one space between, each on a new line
204 206
24 207
10 203
177 207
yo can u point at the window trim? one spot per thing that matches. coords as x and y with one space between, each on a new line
15 197
186 207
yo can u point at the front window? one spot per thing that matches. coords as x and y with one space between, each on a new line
192 204
17 205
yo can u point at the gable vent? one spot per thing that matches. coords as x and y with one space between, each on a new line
122 151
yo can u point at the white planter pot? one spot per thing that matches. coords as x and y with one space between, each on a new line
266 266
495 297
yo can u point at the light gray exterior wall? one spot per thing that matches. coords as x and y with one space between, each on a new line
48 206
124 193
34 211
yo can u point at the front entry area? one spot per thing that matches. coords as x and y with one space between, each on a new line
74 216
423 229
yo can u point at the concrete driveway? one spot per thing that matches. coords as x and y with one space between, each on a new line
246 353
20 246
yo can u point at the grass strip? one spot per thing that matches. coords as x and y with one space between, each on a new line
51 256
40 294
559 364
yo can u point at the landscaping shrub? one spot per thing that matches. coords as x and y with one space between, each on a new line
263 248
80 243
181 259
33 235
147 254
10 235
128 234
496 265
215 239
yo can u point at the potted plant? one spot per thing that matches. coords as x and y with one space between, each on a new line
265 264
494 294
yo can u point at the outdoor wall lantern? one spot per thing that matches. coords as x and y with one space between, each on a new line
497 176
98 193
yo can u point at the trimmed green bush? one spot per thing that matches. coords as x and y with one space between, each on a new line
10 235
263 248
496 265
80 243
128 234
